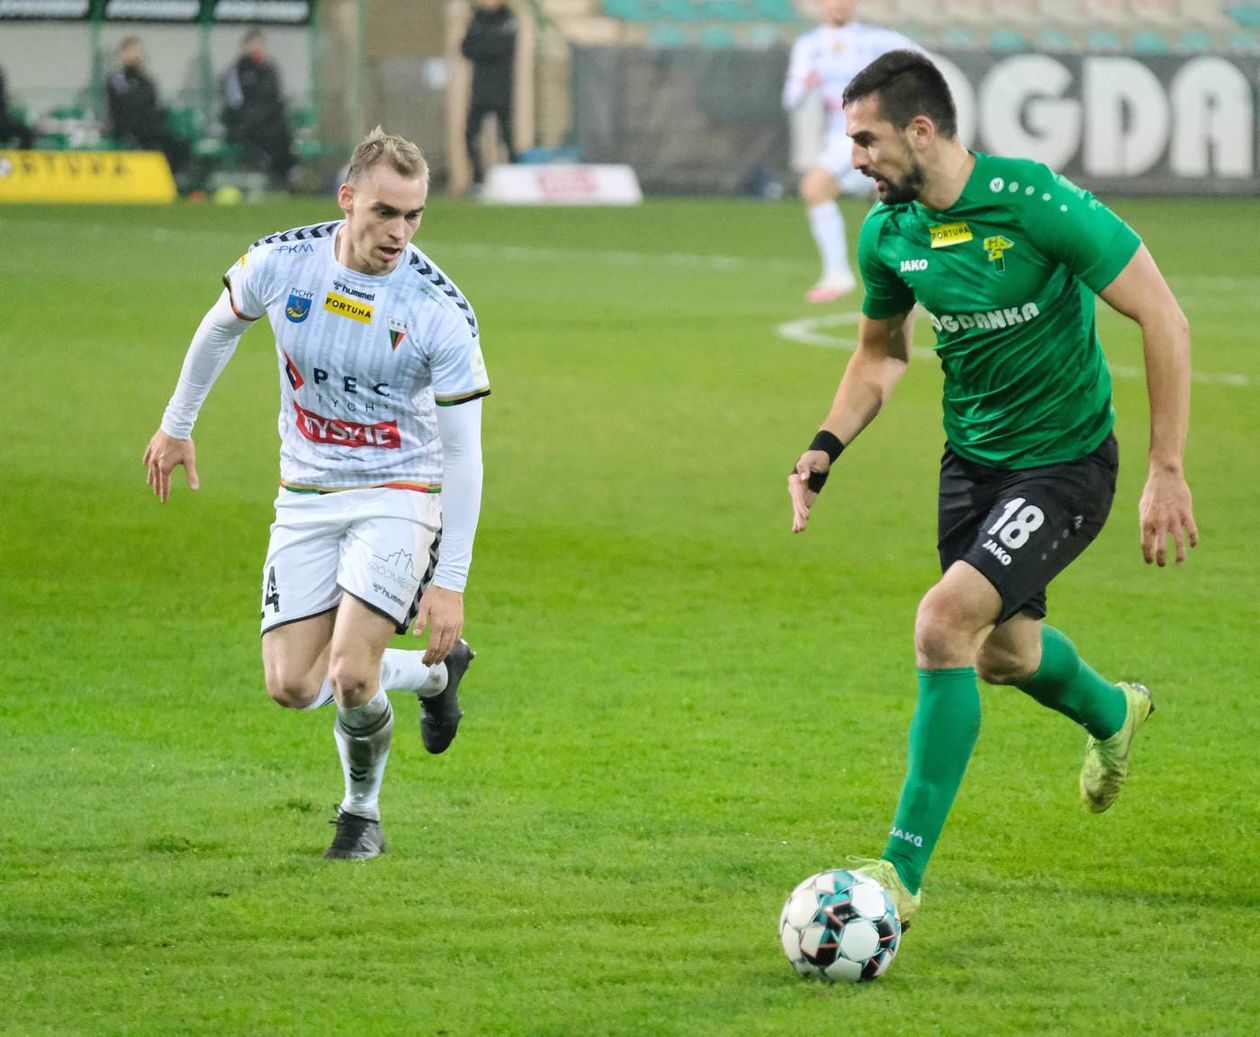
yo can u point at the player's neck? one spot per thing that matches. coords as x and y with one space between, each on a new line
948 177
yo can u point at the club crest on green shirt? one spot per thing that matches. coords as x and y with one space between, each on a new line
996 248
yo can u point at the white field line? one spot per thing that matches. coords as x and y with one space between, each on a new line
813 331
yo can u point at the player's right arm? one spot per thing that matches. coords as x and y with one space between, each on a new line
869 379
212 347
883 351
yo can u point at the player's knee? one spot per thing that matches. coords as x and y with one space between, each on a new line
354 681
814 188
1002 665
941 636
290 691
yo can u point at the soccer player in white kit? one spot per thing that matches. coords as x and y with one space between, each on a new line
825 59
381 379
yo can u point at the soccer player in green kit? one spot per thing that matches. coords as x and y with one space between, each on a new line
1005 258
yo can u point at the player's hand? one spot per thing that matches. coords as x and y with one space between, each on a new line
162 456
798 486
1165 510
442 611
812 80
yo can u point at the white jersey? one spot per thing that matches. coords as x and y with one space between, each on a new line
836 55
363 360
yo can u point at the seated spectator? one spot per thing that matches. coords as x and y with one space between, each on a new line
254 115
12 130
137 116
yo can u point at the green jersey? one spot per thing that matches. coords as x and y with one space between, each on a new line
1007 276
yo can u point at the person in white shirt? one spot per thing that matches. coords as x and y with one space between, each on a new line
824 60
381 382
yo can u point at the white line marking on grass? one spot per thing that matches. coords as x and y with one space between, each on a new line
811 331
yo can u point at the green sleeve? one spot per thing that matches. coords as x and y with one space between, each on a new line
1075 228
887 295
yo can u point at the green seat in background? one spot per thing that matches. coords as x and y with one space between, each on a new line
1150 41
628 10
717 37
665 35
1008 41
776 11
1196 41
1245 14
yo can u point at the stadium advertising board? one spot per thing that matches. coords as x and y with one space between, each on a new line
1160 124
259 12
691 120
85 176
45 10
566 184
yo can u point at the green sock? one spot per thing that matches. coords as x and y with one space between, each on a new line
1065 683
942 734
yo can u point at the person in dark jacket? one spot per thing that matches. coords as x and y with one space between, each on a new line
12 129
254 114
137 115
490 44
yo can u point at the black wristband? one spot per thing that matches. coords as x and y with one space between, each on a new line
829 444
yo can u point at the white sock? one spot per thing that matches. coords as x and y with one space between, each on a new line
400 670
828 227
403 670
363 734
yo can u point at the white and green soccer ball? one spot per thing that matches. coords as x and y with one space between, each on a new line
840 926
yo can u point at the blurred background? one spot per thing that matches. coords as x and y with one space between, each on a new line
1136 95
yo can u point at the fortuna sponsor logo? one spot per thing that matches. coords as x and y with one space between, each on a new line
910 837
945 234
996 551
989 320
343 307
909 266
345 289
339 432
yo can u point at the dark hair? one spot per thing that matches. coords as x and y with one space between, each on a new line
907 84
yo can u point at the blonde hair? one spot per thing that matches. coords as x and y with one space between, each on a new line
379 146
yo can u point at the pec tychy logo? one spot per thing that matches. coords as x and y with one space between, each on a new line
298 308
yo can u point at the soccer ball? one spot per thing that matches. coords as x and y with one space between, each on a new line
840 926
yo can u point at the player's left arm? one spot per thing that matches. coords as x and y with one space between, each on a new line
460 381
1140 292
442 604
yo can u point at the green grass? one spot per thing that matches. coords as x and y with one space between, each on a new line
679 710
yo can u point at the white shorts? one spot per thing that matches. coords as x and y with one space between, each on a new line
837 159
378 545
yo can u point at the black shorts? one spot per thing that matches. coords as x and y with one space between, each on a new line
1022 528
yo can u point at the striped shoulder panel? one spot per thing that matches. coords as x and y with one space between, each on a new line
307 233
421 265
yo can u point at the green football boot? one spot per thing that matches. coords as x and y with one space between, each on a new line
885 873
1107 760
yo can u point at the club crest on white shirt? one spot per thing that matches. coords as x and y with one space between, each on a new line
397 332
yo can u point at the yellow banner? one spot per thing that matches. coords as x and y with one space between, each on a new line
85 177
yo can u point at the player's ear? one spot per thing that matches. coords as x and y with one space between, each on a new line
922 131
345 198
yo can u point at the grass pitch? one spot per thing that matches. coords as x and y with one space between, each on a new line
678 710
